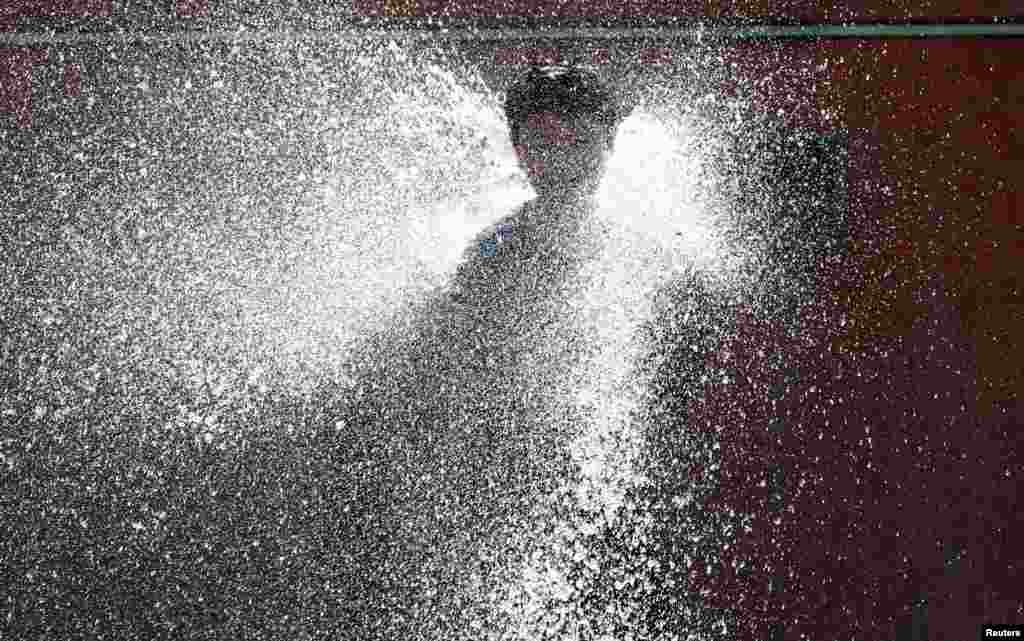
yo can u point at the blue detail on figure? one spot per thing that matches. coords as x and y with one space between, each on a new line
489 246
504 232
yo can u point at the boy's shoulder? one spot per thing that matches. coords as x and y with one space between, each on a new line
498 237
495 246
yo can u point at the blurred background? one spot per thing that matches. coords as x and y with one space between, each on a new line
206 206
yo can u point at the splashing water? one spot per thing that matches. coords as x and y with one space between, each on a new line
314 197
411 186
658 229
252 300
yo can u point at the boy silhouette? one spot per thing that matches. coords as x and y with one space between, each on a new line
454 410
563 123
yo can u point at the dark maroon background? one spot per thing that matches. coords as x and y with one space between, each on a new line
928 357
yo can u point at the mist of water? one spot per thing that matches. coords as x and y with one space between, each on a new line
413 163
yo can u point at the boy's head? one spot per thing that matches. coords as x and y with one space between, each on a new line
562 121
